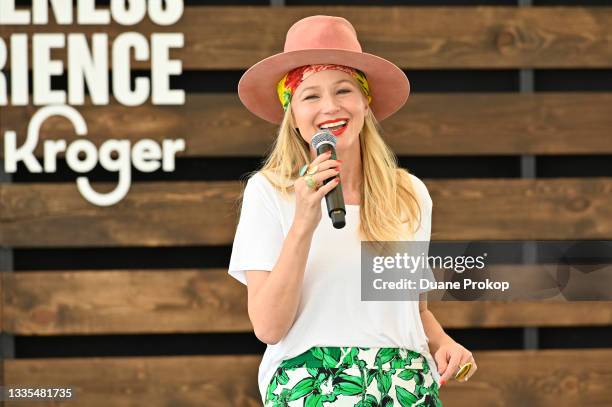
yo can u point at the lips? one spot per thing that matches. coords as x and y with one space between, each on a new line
334 126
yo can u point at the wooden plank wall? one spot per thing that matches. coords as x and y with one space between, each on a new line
185 213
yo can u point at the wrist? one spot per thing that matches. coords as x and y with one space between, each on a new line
300 231
443 340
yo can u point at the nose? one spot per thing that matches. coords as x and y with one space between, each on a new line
330 104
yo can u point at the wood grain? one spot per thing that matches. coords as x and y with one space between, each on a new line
190 301
412 37
217 125
147 381
564 377
205 213
162 301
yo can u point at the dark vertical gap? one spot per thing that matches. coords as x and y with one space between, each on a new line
7 341
528 170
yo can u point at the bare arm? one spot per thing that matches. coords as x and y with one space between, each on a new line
274 296
432 327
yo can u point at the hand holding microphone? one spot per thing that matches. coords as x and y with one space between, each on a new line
324 141
322 174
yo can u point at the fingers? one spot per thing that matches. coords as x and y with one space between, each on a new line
322 191
321 157
324 161
323 175
326 169
465 358
451 369
303 189
469 358
440 358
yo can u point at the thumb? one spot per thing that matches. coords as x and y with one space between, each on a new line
440 358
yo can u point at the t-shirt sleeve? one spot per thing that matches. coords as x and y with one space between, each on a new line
259 235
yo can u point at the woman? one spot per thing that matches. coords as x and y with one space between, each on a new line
325 345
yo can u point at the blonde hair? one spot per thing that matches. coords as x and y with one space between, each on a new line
381 219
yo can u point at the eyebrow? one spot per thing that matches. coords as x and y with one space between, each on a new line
317 86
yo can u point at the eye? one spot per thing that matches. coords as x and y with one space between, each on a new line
310 97
344 90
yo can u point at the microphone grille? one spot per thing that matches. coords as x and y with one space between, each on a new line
321 137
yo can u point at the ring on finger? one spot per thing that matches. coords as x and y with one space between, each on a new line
313 170
303 170
310 181
463 371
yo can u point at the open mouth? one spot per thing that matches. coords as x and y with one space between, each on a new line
336 127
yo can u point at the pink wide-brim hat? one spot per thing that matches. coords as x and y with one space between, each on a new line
322 40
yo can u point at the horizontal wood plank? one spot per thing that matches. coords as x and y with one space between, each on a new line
412 37
132 381
501 314
430 124
180 216
205 213
189 301
504 379
163 301
535 378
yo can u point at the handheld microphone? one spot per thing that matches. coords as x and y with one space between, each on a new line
324 141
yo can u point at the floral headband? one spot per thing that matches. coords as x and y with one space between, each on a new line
295 77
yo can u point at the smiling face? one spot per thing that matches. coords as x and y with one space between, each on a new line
330 99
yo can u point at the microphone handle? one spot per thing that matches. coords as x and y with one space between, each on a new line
334 198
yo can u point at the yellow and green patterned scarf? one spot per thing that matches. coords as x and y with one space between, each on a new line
290 82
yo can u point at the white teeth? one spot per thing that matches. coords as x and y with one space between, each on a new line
334 124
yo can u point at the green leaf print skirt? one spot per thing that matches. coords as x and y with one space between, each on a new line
353 376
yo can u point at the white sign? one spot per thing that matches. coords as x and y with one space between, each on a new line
90 65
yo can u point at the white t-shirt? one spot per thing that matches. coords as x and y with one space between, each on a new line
330 311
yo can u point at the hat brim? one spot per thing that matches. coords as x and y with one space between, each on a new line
389 86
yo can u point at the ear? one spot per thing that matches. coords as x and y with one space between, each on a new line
365 102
